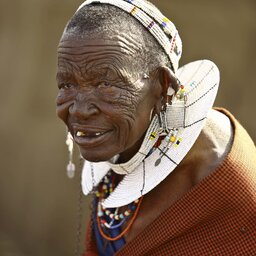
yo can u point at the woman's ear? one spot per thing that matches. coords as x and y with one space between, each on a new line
169 82
168 79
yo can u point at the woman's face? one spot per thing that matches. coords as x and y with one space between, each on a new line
105 104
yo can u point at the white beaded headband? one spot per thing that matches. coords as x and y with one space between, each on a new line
154 21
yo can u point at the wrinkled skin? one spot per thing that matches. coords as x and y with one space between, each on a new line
100 92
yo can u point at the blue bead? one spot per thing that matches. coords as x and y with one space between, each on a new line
164 24
133 207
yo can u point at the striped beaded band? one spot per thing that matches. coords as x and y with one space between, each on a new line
163 30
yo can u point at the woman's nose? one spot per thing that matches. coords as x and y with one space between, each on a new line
83 108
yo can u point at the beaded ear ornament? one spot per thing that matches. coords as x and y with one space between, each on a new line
71 166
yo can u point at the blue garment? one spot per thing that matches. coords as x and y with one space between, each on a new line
106 248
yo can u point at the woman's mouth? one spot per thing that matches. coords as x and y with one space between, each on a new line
87 134
90 138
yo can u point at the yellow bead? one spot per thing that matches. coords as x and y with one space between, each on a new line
172 139
178 142
166 19
153 136
134 10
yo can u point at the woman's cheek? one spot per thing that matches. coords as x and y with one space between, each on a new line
65 96
63 102
127 102
62 111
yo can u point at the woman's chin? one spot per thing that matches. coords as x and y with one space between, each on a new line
95 156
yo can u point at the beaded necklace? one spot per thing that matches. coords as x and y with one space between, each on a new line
109 219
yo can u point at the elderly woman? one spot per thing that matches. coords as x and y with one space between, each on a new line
170 175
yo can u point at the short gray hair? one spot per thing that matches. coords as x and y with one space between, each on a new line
97 18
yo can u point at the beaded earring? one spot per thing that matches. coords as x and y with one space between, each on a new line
163 130
71 166
94 187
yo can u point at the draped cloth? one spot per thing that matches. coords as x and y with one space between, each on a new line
216 217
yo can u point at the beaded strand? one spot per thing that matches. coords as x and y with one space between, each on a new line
112 239
116 220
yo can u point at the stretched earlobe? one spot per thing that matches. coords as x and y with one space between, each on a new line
158 107
169 86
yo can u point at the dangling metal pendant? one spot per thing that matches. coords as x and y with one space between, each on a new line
163 130
158 161
71 166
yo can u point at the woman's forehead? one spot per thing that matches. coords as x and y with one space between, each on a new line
117 52
100 60
125 41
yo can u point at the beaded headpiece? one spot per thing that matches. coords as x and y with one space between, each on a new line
162 29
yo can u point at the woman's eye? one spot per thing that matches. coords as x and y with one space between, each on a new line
104 85
65 86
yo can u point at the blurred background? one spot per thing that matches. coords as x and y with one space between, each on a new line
38 203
